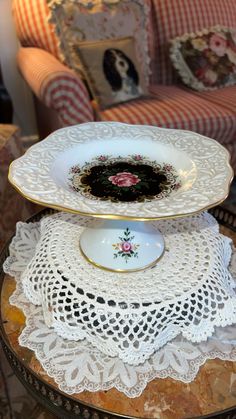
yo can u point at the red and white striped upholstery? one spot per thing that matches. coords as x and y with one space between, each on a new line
33 29
225 97
173 107
176 17
56 86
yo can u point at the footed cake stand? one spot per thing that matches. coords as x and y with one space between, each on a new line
122 176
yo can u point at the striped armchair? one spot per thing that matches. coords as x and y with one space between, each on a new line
64 100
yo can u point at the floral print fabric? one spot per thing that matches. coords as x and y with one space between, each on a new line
206 60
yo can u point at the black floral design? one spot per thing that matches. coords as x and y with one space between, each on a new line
131 179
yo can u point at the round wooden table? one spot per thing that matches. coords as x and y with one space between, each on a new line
211 394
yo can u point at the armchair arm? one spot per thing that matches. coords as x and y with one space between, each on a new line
56 85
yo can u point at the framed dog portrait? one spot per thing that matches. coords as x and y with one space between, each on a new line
112 70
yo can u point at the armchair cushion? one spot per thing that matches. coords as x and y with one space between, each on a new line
56 85
174 107
181 108
225 98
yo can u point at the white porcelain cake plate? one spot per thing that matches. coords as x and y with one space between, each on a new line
125 173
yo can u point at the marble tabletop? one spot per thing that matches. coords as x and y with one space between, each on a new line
213 390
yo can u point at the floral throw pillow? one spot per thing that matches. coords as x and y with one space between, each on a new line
206 60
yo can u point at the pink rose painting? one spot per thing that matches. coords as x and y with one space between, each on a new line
124 179
126 248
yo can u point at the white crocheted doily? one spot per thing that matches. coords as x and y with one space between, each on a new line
78 366
190 290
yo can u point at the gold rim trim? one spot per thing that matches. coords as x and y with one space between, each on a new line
115 216
121 271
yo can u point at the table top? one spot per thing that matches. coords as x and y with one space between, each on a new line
213 390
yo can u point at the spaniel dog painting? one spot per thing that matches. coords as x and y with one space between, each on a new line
121 74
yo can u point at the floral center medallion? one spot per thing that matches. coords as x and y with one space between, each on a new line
135 178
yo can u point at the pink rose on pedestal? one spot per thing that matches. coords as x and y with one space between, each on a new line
126 246
124 179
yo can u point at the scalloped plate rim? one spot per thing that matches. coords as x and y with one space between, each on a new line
116 214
